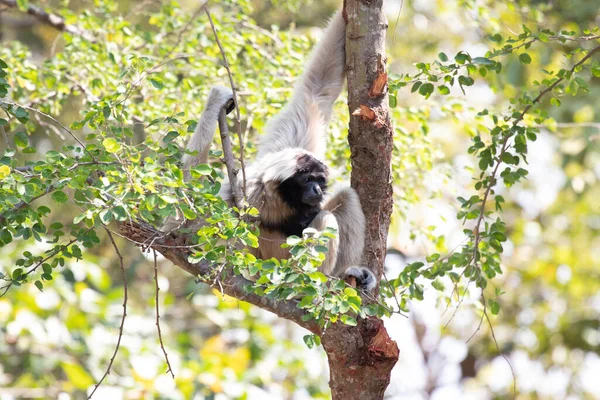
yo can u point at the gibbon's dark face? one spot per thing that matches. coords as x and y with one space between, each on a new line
305 188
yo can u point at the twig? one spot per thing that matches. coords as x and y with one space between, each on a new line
53 20
491 185
162 346
147 72
237 107
5 136
504 146
595 125
51 187
122 266
51 118
512 371
228 157
54 253
24 204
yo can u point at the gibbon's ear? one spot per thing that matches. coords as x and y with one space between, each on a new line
365 278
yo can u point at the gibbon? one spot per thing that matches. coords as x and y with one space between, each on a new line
287 183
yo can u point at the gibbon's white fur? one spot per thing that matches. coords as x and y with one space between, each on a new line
287 182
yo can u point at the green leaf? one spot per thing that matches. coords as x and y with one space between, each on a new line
393 101
309 340
321 249
415 86
119 213
444 89
59 196
21 114
494 306
461 57
111 145
482 61
525 58
106 216
17 273
348 320
293 240
21 139
466 80
188 213
203 169
426 89
443 57
157 82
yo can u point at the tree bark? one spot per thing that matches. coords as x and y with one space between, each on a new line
371 133
361 358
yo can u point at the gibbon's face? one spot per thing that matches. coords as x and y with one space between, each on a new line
308 184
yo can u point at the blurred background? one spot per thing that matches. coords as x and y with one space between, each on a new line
57 343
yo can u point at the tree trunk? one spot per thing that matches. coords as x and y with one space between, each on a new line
361 358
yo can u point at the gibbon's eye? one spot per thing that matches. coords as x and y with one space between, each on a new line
321 180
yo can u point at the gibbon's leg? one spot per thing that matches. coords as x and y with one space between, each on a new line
302 121
201 140
344 204
323 220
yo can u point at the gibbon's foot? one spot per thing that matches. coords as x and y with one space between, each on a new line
365 279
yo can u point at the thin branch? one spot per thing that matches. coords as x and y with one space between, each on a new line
512 371
5 136
595 125
228 157
157 289
122 266
54 253
51 118
237 107
50 19
504 146
24 204
51 187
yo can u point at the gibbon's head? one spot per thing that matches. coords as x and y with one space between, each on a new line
301 178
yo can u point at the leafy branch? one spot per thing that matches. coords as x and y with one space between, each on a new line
50 19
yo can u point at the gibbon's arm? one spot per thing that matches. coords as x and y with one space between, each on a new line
302 121
218 97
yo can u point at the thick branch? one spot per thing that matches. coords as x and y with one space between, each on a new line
232 285
371 133
50 19
361 358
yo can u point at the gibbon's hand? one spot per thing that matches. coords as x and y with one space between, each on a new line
221 97
230 106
